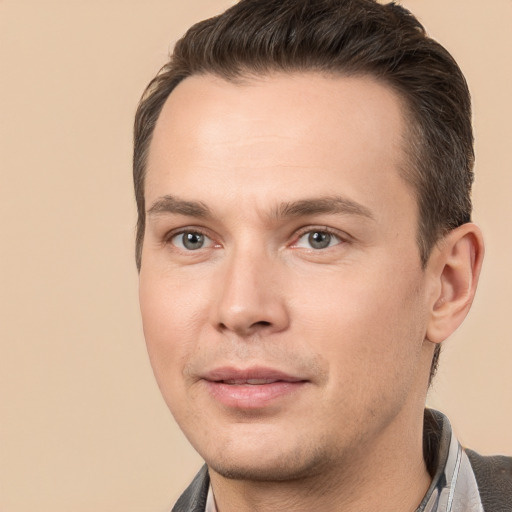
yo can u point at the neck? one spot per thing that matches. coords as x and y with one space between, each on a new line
389 476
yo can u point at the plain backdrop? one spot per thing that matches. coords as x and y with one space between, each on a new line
82 425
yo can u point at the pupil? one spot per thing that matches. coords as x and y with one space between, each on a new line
319 240
193 240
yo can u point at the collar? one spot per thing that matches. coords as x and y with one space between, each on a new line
453 487
210 501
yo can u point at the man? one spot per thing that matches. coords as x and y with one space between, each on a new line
302 173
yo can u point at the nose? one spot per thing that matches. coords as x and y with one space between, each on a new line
250 298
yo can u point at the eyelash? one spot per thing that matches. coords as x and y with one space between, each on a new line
341 237
191 230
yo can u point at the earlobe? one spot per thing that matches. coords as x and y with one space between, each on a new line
455 267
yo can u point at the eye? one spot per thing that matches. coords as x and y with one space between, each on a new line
317 239
191 240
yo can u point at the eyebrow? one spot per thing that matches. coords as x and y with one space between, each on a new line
323 205
304 207
172 204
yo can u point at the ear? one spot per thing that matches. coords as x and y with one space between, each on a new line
454 267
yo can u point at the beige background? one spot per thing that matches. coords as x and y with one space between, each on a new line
82 424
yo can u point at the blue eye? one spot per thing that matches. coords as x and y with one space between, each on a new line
317 239
190 240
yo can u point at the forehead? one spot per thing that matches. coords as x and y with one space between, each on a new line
293 130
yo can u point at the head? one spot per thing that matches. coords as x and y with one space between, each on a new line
257 37
234 66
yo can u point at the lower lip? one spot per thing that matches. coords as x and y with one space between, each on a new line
252 396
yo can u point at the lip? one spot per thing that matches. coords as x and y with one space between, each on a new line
251 388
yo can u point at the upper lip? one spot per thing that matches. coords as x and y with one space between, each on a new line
234 375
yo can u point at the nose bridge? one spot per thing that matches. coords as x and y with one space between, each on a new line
249 298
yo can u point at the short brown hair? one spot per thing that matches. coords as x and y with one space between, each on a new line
343 37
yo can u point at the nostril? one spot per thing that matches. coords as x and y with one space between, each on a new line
262 323
247 329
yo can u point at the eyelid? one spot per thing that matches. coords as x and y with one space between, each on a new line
341 235
167 239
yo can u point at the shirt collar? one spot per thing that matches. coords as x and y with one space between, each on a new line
210 501
453 487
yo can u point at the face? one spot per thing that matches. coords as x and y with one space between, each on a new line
281 289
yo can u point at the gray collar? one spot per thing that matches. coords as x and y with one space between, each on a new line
453 487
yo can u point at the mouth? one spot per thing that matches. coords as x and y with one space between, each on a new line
252 388
250 382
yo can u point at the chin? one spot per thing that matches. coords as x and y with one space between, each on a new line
265 466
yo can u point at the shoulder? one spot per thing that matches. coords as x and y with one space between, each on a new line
194 497
494 478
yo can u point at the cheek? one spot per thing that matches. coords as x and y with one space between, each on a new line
170 319
369 328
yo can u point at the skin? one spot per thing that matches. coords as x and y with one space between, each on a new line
253 168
